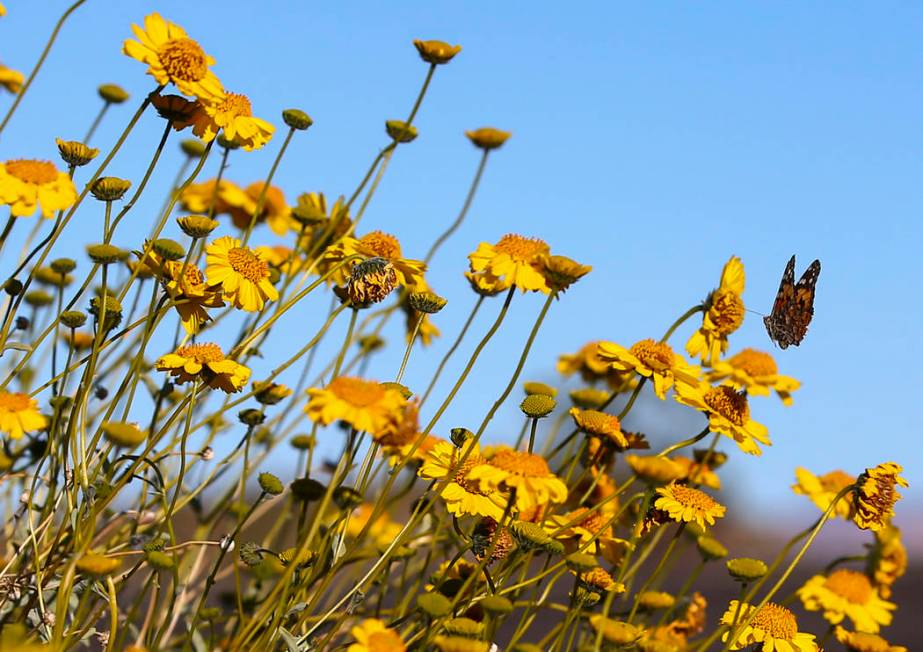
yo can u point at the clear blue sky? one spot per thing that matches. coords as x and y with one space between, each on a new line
651 141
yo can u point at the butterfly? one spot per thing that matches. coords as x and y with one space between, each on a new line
793 308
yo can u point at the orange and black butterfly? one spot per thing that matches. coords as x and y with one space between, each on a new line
793 307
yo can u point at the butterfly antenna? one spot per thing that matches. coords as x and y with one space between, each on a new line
755 312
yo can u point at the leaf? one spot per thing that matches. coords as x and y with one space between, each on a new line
291 641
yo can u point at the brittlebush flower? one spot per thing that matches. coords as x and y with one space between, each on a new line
728 413
650 359
822 489
865 642
582 526
561 272
171 56
526 473
382 531
376 244
231 113
655 469
242 274
463 494
593 369
772 628
724 313
849 594
436 52
687 505
10 79
697 473
515 261
875 495
205 198
186 285
366 405
27 184
19 414
887 559
205 362
754 371
373 635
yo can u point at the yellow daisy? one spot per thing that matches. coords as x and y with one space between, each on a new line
822 489
526 473
875 495
276 212
463 494
772 628
847 593
187 287
604 426
204 198
10 79
382 531
728 413
594 369
233 113
655 469
242 274
754 371
364 404
654 360
19 414
724 313
888 559
205 362
376 244
27 184
865 642
171 56
687 505
598 580
696 473
515 261
373 635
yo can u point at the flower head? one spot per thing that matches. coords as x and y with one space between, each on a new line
232 114
875 495
365 405
240 272
728 413
865 642
27 184
822 489
754 371
488 138
436 52
526 473
847 593
205 362
19 414
373 635
650 359
771 628
172 57
10 79
687 505
462 493
724 313
376 244
887 560
515 261
593 369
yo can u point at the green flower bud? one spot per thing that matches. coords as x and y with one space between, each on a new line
112 93
168 249
63 265
270 484
745 569
307 489
537 406
434 605
297 119
106 254
197 226
110 188
192 147
426 302
127 435
73 318
159 560
400 131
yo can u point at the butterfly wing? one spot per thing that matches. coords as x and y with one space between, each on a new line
803 306
775 320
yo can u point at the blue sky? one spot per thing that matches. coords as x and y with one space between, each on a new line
652 141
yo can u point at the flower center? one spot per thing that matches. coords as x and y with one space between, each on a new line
836 480
236 105
37 172
357 392
384 641
248 264
731 405
727 311
776 620
520 248
201 353
462 479
656 355
191 275
598 577
521 463
593 522
183 59
754 363
14 401
689 497
850 584
383 245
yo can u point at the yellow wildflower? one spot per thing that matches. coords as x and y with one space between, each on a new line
10 79
364 404
515 261
822 489
875 495
242 274
373 635
650 359
19 414
463 494
376 244
724 314
526 473
754 371
27 184
847 593
865 642
205 362
772 628
888 559
687 505
728 413
232 113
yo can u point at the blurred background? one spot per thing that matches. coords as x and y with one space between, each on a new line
651 141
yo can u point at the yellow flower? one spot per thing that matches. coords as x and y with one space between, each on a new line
205 362
888 559
847 593
372 635
19 414
27 184
382 531
242 274
376 244
204 198
436 52
275 212
615 631
687 505
592 368
754 371
233 113
11 79
728 413
655 360
875 495
598 579
601 425
526 473
462 494
171 56
773 628
281 258
364 404
488 138
655 469
865 642
724 314
187 287
515 261
696 473
822 489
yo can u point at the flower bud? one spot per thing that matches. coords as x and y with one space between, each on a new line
426 302
532 387
297 119
112 93
270 484
270 393
459 436
38 298
307 489
127 435
589 398
346 498
536 406
73 318
745 569
488 138
400 131
251 417
13 287
75 153
106 254
97 565
249 553
63 265
159 560
710 548
496 604
110 188
192 147
197 226
436 52
302 442
113 311
434 605
581 561
168 249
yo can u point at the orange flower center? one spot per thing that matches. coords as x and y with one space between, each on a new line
236 105
731 405
248 264
599 423
850 584
836 480
520 248
655 355
14 402
183 59
37 172
776 620
593 522
192 275
201 353
385 640
384 245
356 392
727 311
521 463
598 577
461 475
754 363
689 497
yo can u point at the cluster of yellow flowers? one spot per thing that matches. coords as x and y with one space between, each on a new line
416 537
